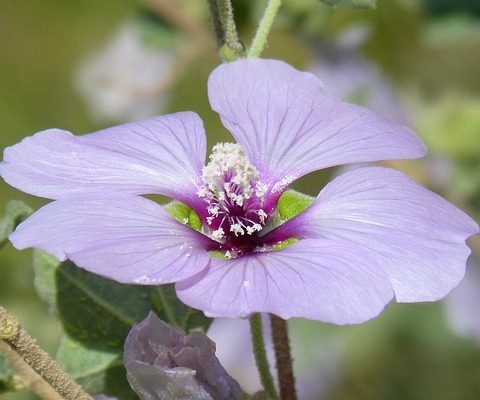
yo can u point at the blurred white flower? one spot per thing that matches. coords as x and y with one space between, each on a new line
126 79
462 304
346 73
316 365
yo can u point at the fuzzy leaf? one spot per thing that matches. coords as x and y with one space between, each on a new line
292 203
96 369
173 311
89 306
96 316
351 3
15 212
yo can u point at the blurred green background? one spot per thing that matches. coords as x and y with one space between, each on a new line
417 61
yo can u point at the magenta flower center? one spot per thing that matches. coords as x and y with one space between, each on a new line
234 197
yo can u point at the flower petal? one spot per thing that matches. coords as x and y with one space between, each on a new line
162 155
418 237
150 382
289 126
126 238
326 280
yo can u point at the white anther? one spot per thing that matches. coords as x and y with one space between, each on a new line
202 192
213 210
260 190
231 181
218 233
262 215
257 227
237 229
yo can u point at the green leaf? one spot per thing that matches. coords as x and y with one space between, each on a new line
184 214
351 3
292 203
96 370
97 315
171 309
90 307
285 243
15 212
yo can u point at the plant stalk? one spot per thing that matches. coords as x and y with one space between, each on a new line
25 346
260 354
230 28
281 345
216 22
260 40
229 46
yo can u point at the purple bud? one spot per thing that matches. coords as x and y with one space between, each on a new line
163 362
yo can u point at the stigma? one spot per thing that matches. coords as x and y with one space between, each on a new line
234 196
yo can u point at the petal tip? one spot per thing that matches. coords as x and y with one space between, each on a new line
3 167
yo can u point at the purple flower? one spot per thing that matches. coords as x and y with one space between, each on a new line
163 362
372 234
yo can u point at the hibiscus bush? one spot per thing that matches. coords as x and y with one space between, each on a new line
233 194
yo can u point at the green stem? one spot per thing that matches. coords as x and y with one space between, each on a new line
24 345
216 22
228 43
260 39
260 354
281 344
229 26
170 313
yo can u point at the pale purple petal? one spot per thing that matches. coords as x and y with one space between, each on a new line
418 237
126 238
326 280
162 155
289 126
151 383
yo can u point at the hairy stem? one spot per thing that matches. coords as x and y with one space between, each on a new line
283 358
260 39
229 46
229 26
29 379
24 345
216 22
261 356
